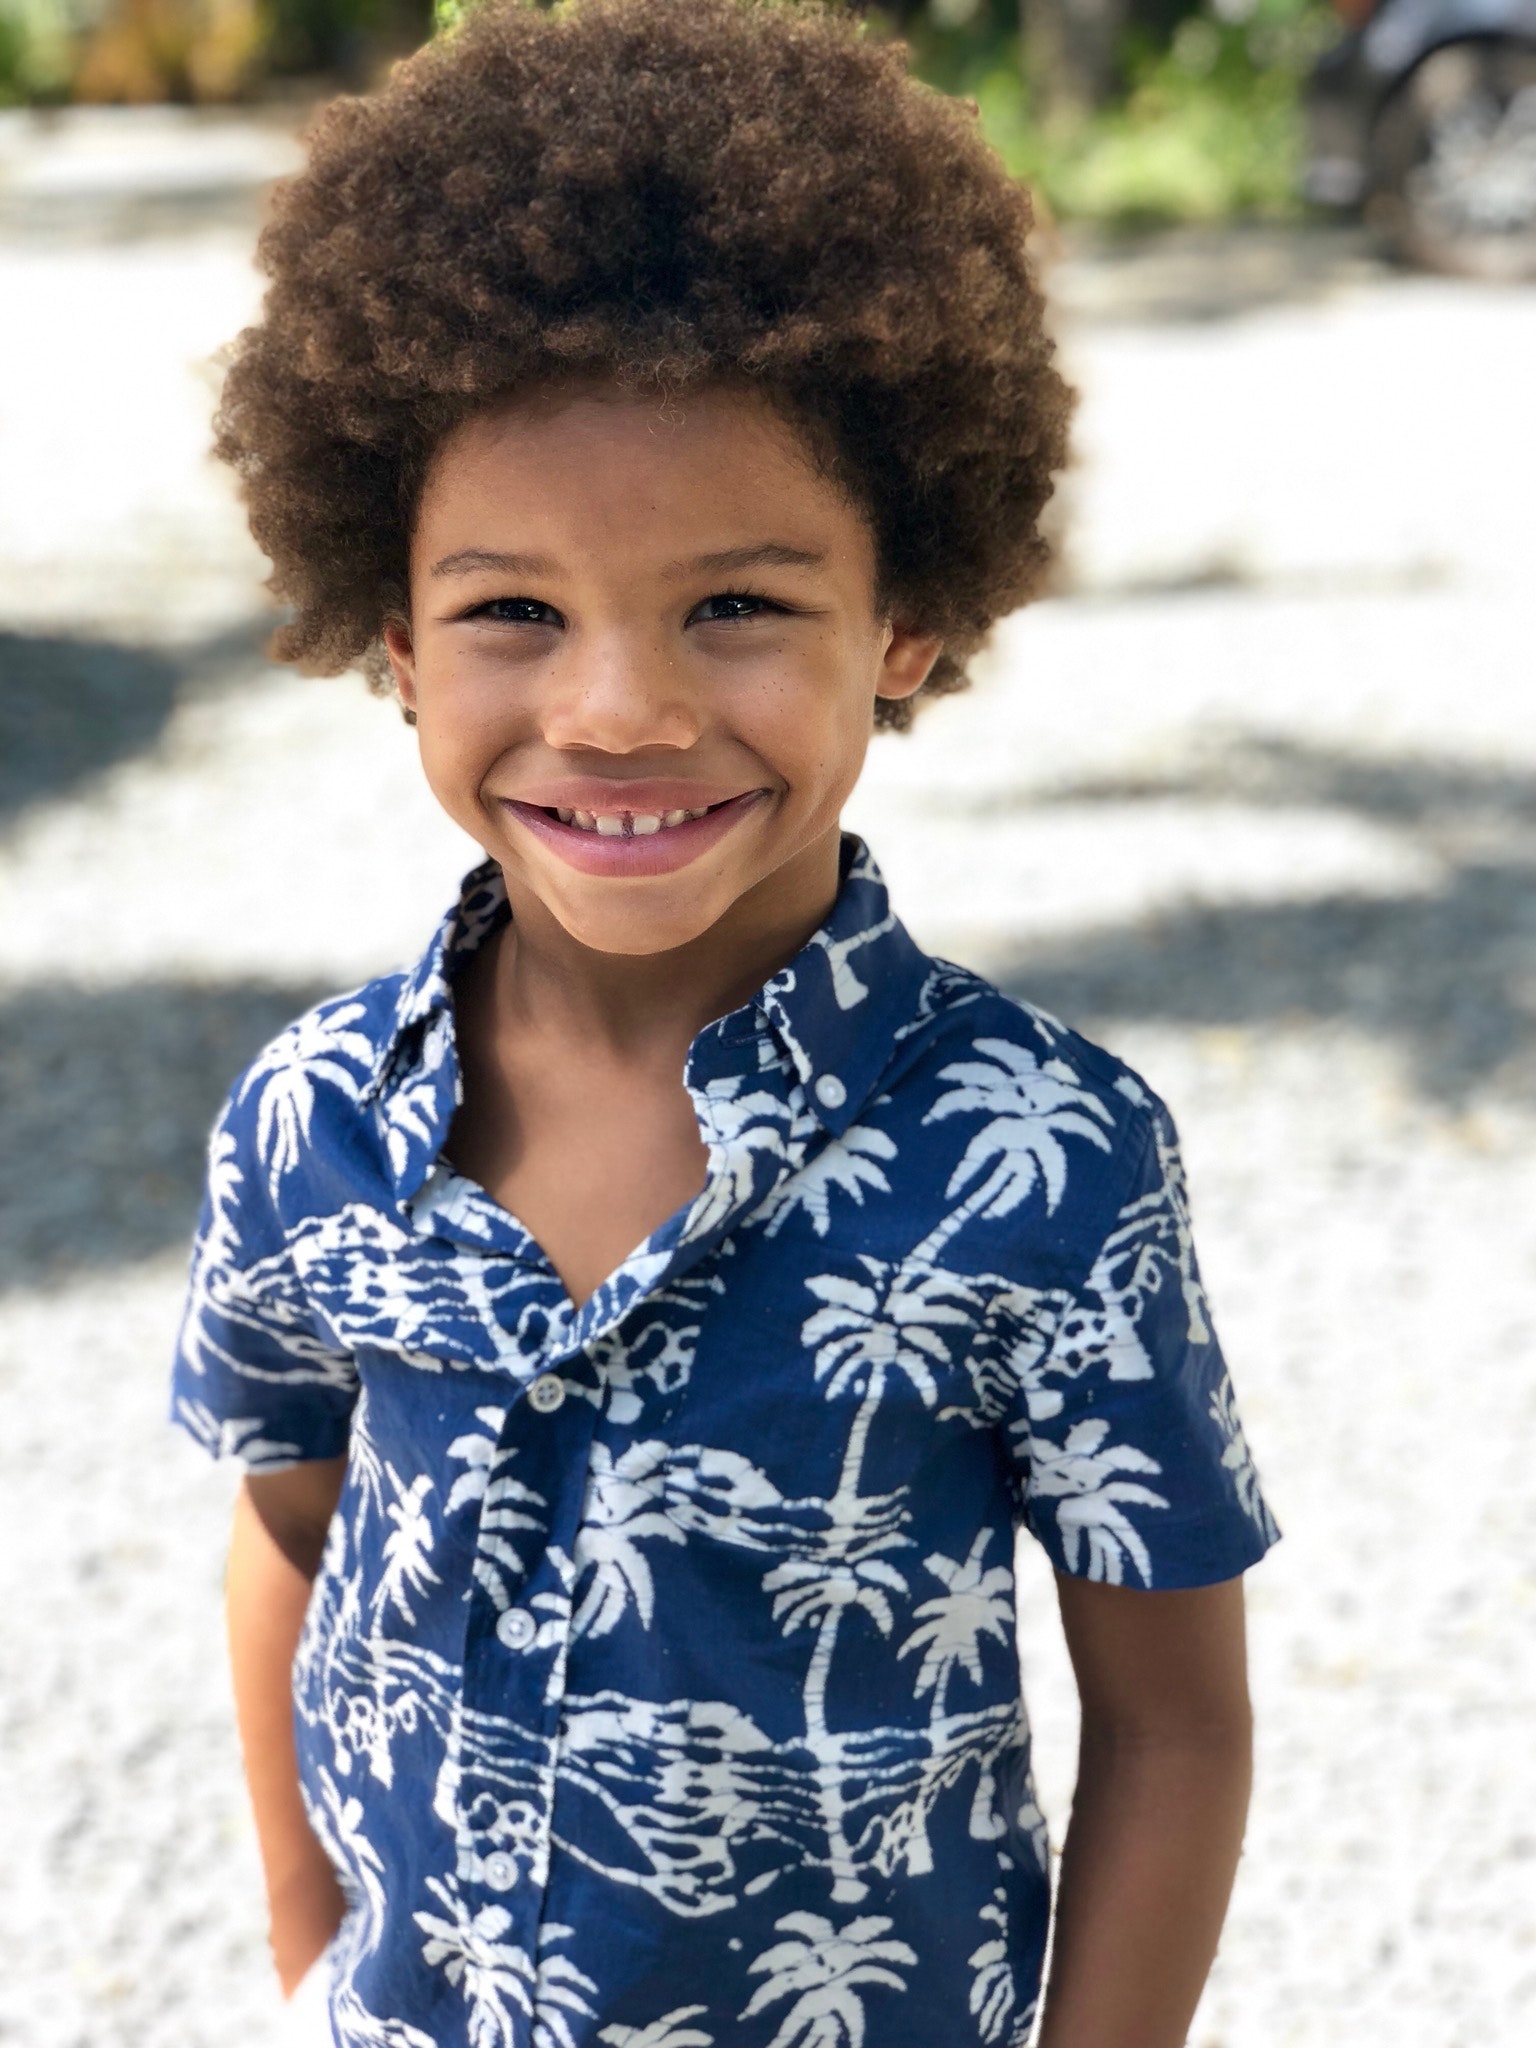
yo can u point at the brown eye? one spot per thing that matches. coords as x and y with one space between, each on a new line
517 611
726 605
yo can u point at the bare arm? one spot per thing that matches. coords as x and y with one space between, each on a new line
274 1553
1164 1769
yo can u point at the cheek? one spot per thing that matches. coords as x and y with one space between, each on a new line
456 757
817 738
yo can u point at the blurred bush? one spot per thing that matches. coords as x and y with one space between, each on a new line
193 50
1120 111
1129 112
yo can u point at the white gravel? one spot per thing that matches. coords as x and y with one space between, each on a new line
1256 802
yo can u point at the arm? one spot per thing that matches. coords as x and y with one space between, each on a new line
1164 1767
274 1553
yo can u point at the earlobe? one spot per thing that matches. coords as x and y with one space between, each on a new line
908 663
402 661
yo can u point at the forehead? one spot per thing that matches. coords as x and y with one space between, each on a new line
642 473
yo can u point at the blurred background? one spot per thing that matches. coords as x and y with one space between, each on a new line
1250 795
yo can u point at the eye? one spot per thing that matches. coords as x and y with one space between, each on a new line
517 611
726 605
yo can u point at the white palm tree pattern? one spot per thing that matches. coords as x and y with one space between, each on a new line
994 2000
1238 1460
670 2031
849 1166
976 1602
319 1050
1030 1107
827 1971
659 1686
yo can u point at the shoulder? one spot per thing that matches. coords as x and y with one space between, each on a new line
319 1072
1034 1142
964 1022
340 1042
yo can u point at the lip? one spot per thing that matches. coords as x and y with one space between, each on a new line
655 794
658 853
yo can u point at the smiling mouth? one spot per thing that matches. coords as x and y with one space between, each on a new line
624 840
629 824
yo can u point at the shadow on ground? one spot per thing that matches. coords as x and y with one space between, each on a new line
70 708
1449 976
106 1097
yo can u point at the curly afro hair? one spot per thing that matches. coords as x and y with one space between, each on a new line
657 195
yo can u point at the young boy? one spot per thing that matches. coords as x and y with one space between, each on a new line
647 1320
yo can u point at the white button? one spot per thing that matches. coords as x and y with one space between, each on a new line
501 1871
547 1393
830 1092
517 1628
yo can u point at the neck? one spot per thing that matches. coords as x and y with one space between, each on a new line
634 1003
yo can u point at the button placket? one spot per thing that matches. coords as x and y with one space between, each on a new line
514 1669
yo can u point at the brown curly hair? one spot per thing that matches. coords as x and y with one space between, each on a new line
657 193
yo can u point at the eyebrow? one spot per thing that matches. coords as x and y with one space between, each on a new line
465 560
767 554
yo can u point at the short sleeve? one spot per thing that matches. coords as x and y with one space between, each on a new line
1129 1453
253 1376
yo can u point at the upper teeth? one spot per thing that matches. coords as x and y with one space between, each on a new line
626 824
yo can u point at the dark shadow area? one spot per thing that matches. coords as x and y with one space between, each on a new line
70 708
1281 774
1449 976
106 1098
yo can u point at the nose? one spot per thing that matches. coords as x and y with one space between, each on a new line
619 692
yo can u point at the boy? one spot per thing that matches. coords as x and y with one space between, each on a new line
646 1321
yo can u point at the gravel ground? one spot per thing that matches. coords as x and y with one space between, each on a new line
1253 799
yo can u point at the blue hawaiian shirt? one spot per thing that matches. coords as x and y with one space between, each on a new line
659 1686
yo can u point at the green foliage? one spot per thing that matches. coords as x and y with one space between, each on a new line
36 45
1208 125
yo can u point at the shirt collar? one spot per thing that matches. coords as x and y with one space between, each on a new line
830 1016
427 991
836 1008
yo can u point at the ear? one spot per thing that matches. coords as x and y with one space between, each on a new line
908 662
402 660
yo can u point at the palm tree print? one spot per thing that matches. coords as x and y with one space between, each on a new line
498 1978
670 2031
225 1180
508 1508
1238 1460
994 1988
1090 1502
478 1453
846 1165
975 1603
894 1321
1029 1109
406 1571
750 1129
625 1505
825 1971
315 1048
560 1989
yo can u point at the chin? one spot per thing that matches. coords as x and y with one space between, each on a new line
636 929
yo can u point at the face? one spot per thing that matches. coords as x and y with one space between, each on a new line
644 652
